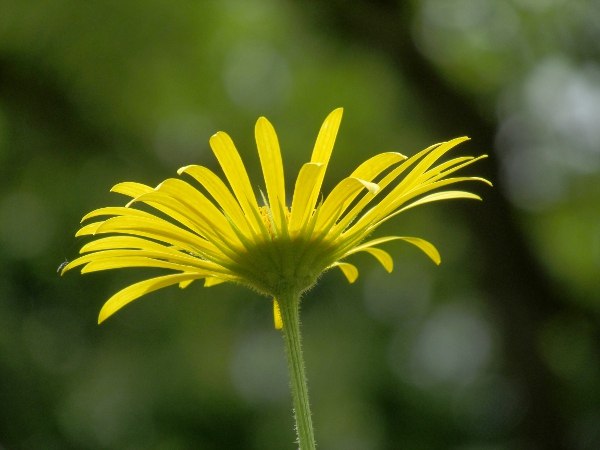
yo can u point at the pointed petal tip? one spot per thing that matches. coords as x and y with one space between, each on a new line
116 187
81 232
102 316
349 270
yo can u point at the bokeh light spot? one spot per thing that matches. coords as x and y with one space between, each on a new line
258 368
256 76
453 346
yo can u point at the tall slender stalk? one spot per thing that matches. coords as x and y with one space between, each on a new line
290 314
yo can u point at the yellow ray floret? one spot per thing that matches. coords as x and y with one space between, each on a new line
222 234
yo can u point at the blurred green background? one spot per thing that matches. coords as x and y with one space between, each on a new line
497 348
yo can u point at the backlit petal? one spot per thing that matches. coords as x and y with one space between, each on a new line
213 281
445 195
425 246
124 242
116 211
350 271
377 164
383 183
323 148
180 258
136 290
220 192
340 198
88 229
272 166
136 261
306 185
163 231
236 174
382 256
131 189
419 190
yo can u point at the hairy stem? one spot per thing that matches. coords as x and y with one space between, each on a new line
290 314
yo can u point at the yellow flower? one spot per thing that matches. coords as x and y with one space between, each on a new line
273 249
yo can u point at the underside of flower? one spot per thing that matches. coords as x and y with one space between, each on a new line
277 247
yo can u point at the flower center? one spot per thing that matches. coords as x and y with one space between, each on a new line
281 264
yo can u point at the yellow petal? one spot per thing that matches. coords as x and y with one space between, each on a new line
123 242
116 211
272 166
135 291
457 163
363 202
306 185
389 178
412 186
164 231
381 213
168 206
193 200
382 256
277 316
443 170
427 248
88 229
326 138
180 258
213 281
419 173
377 164
323 148
136 261
445 195
175 209
221 193
428 161
131 189
350 271
236 174
203 208
340 198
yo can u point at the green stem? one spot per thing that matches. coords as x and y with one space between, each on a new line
290 314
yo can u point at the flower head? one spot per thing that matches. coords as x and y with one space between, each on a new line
226 236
